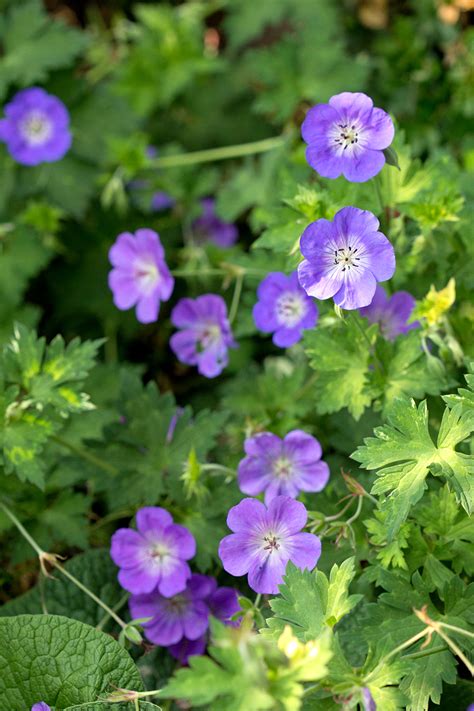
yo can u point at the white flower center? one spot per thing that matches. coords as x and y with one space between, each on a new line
36 128
282 468
156 554
290 308
347 136
147 275
211 335
347 257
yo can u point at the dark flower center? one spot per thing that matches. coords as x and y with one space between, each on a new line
347 257
282 468
272 543
177 605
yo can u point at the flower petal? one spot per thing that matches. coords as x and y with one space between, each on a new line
249 514
304 550
237 553
287 514
357 289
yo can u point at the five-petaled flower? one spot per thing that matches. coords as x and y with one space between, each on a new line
284 309
347 136
392 314
153 557
36 127
184 616
282 466
208 227
264 540
205 334
345 258
140 276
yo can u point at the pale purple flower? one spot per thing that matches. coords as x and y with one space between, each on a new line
368 700
154 556
345 258
40 706
36 127
205 334
392 314
284 309
282 467
223 603
140 276
347 136
162 201
208 227
184 615
264 540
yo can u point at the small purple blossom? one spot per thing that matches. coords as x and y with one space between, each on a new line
36 127
368 700
153 557
208 227
265 539
347 135
392 314
223 604
185 615
284 309
205 334
162 201
282 467
345 258
140 276
40 706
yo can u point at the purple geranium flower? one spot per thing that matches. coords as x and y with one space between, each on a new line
140 276
40 706
223 603
185 614
162 201
208 227
347 136
205 335
345 258
392 314
264 540
282 466
284 308
154 556
36 127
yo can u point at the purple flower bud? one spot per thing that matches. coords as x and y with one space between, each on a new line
347 136
264 540
36 127
284 309
140 276
345 258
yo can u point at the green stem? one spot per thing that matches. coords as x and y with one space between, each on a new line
379 194
257 600
22 529
459 630
87 456
356 513
355 320
217 468
234 307
216 154
115 608
394 652
425 653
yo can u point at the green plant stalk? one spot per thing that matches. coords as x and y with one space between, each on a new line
87 456
52 560
234 307
217 154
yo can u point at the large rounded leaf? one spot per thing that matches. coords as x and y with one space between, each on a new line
60 661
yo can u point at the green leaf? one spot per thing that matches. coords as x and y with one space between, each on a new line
59 596
340 356
60 661
34 44
309 602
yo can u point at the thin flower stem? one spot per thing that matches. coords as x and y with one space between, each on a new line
459 630
356 513
115 608
355 320
258 600
425 652
341 512
217 154
52 560
397 650
234 307
22 529
217 468
456 651
87 456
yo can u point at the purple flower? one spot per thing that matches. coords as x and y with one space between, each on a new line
162 201
347 136
36 127
345 258
185 614
154 556
282 467
368 700
392 313
223 604
205 334
208 227
140 276
264 540
40 706
284 309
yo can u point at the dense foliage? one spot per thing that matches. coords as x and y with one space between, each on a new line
174 394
